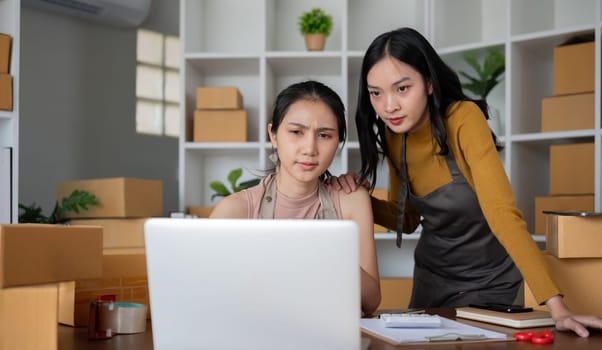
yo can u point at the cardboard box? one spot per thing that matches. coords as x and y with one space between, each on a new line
574 68
5 50
222 97
200 211
6 92
380 193
220 126
119 197
578 282
559 203
395 293
118 233
574 236
572 169
37 253
124 275
568 112
28 318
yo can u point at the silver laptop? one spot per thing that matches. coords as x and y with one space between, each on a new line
253 284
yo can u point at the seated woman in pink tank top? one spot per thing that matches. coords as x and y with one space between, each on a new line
307 126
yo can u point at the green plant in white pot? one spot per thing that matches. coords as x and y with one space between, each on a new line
316 26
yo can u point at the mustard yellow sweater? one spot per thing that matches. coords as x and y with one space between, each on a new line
470 141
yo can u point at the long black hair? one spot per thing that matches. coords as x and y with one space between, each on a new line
409 46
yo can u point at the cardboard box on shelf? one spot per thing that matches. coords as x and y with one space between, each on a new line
38 253
380 193
218 97
200 211
118 233
124 275
559 203
567 112
119 197
569 236
5 50
577 281
6 92
572 169
28 317
220 126
574 68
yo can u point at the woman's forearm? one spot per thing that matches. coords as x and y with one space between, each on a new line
370 291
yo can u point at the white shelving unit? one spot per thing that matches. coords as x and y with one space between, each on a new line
10 17
255 45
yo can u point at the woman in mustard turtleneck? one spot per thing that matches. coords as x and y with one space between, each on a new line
445 173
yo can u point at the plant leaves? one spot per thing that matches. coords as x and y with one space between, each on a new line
77 200
487 75
219 188
233 177
315 21
246 184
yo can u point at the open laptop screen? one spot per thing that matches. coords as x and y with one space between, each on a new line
253 284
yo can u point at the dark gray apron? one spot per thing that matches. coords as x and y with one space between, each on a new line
458 260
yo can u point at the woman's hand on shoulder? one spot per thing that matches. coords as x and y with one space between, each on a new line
566 320
348 182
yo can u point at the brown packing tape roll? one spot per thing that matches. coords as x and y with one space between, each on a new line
122 318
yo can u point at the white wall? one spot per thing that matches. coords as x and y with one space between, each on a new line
77 117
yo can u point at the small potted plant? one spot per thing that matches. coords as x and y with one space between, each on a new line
488 75
315 25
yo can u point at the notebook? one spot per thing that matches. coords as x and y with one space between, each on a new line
529 319
253 284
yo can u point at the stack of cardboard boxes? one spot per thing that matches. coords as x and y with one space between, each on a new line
219 115
574 256
571 108
125 205
33 258
6 80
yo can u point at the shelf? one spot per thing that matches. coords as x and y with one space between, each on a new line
222 145
271 55
558 137
452 26
543 15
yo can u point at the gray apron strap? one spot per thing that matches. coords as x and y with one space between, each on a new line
267 208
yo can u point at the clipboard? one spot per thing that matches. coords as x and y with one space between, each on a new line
450 332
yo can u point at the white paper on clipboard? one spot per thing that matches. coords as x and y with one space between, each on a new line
396 336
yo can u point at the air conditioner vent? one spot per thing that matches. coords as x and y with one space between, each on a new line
121 13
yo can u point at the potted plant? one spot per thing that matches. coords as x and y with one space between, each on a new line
77 200
221 190
488 75
315 25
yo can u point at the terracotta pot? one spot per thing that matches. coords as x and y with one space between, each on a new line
315 42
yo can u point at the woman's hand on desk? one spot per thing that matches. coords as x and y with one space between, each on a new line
568 321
